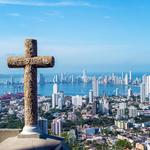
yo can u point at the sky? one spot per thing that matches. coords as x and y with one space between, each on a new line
96 35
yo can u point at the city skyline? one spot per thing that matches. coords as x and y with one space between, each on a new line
99 36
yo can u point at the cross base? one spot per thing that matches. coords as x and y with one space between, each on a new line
30 131
48 142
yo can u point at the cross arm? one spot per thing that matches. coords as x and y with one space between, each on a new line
15 62
39 61
43 61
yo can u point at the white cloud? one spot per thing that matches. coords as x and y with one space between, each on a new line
47 4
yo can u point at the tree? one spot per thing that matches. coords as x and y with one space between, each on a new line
122 144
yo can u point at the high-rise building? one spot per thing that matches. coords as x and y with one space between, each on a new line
77 101
62 77
95 107
56 126
142 92
60 100
55 79
84 77
95 87
55 88
130 76
72 78
43 125
130 93
133 112
121 111
117 92
90 96
122 105
146 81
57 98
122 75
126 80
55 95
12 80
145 88
54 100
106 105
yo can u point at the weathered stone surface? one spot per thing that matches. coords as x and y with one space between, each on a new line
7 133
40 62
30 48
30 62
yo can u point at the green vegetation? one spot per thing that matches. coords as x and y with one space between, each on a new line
122 144
71 141
12 122
97 122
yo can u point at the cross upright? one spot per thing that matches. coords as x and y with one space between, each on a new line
30 62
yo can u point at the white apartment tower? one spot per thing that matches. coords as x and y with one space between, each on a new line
95 87
126 80
56 126
142 92
90 96
77 101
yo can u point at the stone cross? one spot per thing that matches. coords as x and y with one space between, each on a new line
30 62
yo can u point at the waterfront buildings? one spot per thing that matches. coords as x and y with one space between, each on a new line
126 79
84 77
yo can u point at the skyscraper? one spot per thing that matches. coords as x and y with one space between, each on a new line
142 92
77 101
146 81
84 77
60 100
145 88
90 96
55 88
133 112
55 79
95 87
130 76
62 77
57 98
106 106
126 80
117 92
12 80
122 75
121 111
54 95
130 93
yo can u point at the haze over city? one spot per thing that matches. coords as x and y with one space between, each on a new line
101 36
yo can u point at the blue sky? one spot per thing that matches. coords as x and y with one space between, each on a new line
98 35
